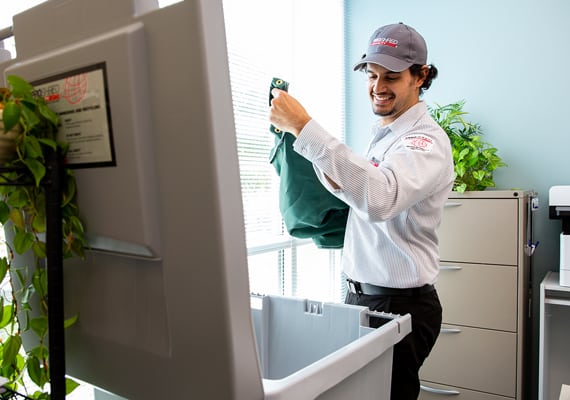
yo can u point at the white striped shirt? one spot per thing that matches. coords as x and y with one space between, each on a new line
396 195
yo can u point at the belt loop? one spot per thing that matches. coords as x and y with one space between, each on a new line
354 286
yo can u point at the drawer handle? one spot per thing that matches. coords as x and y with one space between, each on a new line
452 204
439 391
450 330
450 267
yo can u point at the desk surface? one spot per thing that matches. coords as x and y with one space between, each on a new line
552 293
551 281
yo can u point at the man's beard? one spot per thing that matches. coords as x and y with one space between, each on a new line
385 113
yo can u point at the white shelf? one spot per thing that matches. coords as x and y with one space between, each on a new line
559 302
554 351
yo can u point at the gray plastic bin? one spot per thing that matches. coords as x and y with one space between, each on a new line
310 350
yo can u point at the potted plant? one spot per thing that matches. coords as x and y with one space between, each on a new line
474 159
23 307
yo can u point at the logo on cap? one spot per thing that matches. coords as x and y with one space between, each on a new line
381 41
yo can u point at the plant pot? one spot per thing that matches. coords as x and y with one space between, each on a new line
7 142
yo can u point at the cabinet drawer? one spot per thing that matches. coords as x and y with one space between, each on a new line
472 358
479 231
479 295
433 391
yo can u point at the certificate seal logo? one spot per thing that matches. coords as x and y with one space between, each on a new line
75 88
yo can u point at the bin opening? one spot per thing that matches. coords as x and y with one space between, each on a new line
309 347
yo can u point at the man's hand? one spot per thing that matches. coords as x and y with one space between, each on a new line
286 113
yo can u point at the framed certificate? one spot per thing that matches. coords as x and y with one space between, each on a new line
81 99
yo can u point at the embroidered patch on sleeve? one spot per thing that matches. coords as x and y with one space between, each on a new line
418 143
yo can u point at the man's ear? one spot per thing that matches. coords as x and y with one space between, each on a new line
423 76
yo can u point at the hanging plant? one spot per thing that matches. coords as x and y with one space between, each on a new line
23 308
474 159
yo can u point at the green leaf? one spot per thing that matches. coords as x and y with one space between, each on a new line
18 199
64 148
461 188
23 241
25 296
78 247
13 371
20 86
39 281
34 370
460 170
31 147
29 117
39 249
39 325
4 267
48 114
37 169
474 159
38 373
10 350
48 142
40 351
69 322
479 175
70 385
20 276
462 154
70 190
76 224
10 115
7 315
4 212
39 223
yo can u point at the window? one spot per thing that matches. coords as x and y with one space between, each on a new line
9 9
300 41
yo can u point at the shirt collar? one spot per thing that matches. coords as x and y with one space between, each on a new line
409 118
402 124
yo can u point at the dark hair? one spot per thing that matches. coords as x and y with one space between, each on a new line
416 70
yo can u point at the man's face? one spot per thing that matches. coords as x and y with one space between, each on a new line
391 93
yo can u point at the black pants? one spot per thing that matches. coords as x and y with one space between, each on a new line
410 353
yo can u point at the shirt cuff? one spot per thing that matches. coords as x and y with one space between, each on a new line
311 141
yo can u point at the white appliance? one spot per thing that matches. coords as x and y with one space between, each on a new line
559 208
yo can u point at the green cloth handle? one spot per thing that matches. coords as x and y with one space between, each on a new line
308 209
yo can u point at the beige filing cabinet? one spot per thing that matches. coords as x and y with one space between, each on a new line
484 290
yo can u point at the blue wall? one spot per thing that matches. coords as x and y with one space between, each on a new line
507 60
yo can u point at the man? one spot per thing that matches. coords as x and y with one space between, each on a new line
396 192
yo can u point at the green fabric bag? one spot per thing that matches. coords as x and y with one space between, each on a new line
308 209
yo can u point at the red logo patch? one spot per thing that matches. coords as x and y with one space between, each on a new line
384 42
418 143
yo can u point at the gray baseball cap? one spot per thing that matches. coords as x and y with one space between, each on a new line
395 47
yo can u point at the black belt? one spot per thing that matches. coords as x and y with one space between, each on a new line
373 290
